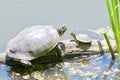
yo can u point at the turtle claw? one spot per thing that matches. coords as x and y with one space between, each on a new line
26 62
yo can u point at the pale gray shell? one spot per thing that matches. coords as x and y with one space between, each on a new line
33 42
83 38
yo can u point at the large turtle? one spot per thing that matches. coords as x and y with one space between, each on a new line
34 42
82 40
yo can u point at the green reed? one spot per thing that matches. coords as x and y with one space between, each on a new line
109 45
114 11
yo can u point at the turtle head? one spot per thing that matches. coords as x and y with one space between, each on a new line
73 35
61 30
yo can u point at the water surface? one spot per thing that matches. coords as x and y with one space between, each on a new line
80 68
78 15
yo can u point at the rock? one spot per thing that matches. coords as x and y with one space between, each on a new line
37 75
97 47
26 77
2 58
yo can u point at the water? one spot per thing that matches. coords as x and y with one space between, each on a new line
88 68
78 15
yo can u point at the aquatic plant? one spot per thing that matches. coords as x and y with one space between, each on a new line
113 12
1 78
107 32
110 46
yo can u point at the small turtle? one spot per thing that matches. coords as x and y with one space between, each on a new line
82 40
34 42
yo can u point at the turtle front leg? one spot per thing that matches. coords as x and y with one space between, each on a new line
60 49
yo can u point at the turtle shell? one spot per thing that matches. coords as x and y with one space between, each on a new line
33 42
83 38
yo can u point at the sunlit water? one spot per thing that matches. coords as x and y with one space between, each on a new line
88 68
78 15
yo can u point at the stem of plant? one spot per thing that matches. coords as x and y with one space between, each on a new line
109 45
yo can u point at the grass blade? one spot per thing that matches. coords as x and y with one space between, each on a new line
109 45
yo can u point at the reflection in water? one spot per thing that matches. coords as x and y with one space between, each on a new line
53 73
94 70
4 75
117 76
77 68
108 71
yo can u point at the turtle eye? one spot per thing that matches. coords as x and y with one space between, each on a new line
12 51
